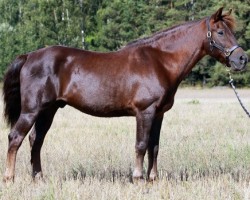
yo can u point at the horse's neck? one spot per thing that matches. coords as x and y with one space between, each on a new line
185 46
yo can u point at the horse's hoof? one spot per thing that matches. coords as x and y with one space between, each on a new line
38 177
8 179
152 178
138 180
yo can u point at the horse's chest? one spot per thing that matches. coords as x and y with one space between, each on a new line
168 106
167 101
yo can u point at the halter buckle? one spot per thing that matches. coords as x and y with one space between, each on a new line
209 34
227 52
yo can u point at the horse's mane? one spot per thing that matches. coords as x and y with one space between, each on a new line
158 35
228 19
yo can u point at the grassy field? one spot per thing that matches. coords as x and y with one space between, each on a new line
204 154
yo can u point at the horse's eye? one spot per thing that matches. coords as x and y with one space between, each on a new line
220 32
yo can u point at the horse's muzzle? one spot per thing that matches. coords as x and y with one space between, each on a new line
238 60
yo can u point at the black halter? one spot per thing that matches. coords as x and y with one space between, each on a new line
212 43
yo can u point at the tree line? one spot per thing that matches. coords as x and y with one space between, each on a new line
107 25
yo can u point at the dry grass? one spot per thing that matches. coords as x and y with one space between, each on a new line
204 154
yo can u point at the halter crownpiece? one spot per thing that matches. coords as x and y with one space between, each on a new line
212 43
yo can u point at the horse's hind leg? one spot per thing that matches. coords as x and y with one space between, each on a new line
42 125
16 136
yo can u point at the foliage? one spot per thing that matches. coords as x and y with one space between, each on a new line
27 25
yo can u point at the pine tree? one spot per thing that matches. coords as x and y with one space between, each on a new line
107 25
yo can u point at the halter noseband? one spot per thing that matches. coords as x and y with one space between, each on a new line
212 43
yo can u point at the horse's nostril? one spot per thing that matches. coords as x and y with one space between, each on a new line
243 59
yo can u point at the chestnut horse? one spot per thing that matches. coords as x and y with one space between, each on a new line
138 80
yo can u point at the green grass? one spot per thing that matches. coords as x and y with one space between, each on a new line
204 154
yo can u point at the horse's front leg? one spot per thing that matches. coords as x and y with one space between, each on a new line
153 148
144 122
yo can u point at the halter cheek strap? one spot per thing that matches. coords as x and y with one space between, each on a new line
212 43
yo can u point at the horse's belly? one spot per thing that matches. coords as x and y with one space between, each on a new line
101 105
103 110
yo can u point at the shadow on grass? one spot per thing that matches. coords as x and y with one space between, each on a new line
111 174
238 175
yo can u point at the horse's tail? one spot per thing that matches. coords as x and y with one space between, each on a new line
11 90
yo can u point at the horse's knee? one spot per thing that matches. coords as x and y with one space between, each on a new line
141 147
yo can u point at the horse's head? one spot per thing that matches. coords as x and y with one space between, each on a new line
221 43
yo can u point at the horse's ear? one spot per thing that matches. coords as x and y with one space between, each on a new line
218 15
228 13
